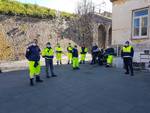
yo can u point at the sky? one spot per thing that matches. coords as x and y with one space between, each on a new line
67 5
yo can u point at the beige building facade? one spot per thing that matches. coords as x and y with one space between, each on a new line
131 21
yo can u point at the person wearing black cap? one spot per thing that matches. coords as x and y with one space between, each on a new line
48 54
33 56
127 54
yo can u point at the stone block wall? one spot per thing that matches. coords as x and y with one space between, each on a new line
17 32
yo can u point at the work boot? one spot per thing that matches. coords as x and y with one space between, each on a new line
77 68
83 62
132 74
31 82
53 75
60 63
107 65
57 63
38 79
48 76
0 71
126 73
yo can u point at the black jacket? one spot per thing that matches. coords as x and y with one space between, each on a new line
75 52
33 53
109 51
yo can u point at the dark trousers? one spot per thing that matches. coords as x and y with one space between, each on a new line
128 64
100 59
49 66
94 56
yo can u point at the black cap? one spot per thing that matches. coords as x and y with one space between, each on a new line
48 43
75 46
127 42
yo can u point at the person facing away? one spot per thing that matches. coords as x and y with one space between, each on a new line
33 56
48 54
69 53
59 51
100 57
94 52
75 59
83 52
127 53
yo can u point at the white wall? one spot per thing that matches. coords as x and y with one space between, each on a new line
122 20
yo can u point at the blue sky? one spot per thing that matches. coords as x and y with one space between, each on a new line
66 5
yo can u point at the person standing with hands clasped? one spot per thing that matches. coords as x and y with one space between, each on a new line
59 51
48 54
33 56
127 54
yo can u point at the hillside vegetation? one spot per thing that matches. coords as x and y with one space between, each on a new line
12 7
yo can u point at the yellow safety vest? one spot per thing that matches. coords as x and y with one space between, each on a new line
85 50
127 49
58 50
47 52
69 49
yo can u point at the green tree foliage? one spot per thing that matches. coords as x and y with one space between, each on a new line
11 7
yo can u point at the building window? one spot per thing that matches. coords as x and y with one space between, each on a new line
140 24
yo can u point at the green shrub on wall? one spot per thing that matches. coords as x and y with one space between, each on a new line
10 7
67 15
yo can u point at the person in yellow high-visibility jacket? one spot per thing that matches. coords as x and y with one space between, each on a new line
48 54
83 52
127 54
59 51
69 50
